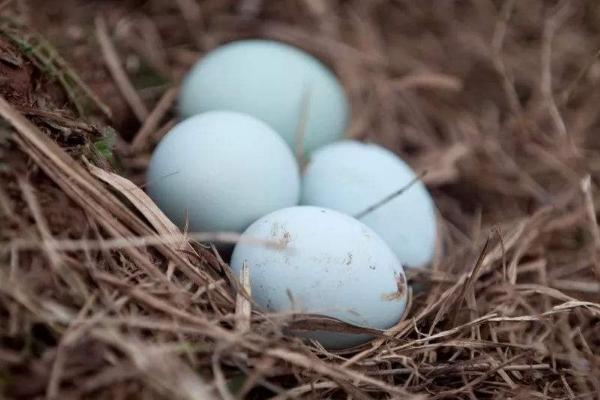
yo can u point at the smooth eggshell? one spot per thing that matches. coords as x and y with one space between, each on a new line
270 81
329 264
350 176
222 169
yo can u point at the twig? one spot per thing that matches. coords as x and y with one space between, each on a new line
332 371
550 29
428 80
111 58
141 138
137 241
300 390
243 307
56 372
586 188
47 239
568 92
481 378
449 368
580 286
390 197
192 15
220 382
497 45
301 128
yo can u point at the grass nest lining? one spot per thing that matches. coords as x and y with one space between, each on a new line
101 296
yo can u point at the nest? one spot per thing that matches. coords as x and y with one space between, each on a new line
102 297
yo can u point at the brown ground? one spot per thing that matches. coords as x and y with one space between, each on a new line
497 100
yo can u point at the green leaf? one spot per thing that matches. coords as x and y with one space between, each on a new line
104 147
235 384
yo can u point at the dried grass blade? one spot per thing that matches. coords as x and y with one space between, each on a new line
141 140
139 199
111 58
243 307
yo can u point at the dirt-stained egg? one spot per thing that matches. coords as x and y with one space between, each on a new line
222 170
351 177
323 262
280 84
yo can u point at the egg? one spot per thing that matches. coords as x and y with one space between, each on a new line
351 176
327 263
222 170
280 84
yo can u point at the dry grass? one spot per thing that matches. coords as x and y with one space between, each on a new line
101 296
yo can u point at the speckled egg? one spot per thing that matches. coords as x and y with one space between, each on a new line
327 263
275 82
351 176
222 170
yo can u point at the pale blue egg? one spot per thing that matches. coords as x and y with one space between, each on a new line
327 263
222 170
275 82
350 176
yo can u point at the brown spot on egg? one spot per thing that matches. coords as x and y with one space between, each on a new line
400 288
285 239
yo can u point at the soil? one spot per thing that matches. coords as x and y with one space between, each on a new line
16 83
